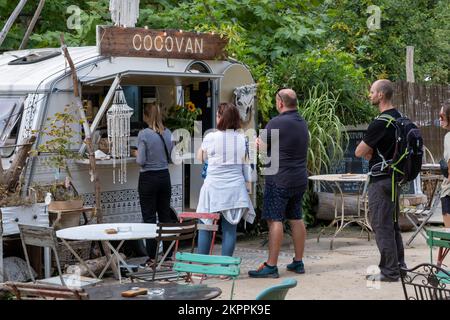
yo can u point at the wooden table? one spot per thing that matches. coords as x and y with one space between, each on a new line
341 220
172 291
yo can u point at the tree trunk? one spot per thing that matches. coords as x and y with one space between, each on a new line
88 141
11 176
96 266
24 43
11 20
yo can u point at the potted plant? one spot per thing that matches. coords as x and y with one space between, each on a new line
183 117
59 136
17 208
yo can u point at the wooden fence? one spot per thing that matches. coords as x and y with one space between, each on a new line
422 103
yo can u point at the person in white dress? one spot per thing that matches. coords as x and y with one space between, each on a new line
224 189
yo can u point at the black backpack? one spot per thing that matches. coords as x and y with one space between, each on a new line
406 163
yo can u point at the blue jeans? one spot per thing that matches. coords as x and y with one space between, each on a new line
228 239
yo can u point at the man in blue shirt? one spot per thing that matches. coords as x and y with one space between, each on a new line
284 190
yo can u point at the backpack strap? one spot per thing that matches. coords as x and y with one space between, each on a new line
390 120
386 117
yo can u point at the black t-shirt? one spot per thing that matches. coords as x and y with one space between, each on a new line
293 149
381 138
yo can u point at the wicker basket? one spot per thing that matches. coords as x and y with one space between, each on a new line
82 248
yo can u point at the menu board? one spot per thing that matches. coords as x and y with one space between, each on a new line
352 164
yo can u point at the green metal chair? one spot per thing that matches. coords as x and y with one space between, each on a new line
277 292
207 264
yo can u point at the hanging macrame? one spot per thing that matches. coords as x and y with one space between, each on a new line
124 13
118 120
244 98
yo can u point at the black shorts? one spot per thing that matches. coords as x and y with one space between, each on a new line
445 201
282 203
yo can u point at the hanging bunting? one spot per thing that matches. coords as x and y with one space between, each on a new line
118 122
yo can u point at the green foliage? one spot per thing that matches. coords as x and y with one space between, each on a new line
327 135
333 70
326 132
423 24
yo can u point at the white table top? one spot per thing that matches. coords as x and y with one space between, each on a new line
431 166
346 177
96 232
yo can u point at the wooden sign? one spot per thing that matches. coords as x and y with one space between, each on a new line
171 44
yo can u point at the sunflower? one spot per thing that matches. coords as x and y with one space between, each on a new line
190 106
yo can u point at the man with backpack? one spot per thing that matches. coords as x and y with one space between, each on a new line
379 147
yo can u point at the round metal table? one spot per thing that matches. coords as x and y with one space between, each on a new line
97 232
340 219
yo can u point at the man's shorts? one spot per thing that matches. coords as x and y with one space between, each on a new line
282 203
445 202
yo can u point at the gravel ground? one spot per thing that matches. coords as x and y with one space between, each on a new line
330 274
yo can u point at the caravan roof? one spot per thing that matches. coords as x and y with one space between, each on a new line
39 75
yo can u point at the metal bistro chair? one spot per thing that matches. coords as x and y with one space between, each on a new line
278 291
34 291
40 237
206 264
214 227
173 232
423 214
426 282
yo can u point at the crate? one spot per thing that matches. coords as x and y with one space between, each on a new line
82 248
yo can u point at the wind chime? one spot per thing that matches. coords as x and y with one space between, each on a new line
124 13
118 122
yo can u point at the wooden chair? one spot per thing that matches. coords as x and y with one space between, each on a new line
40 237
278 291
426 282
172 232
207 264
215 217
34 291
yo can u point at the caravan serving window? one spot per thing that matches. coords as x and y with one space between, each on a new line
11 109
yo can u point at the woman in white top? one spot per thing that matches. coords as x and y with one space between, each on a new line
224 189
444 119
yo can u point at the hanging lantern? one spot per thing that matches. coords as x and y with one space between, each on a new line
118 122
124 13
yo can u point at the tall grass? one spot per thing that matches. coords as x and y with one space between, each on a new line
328 139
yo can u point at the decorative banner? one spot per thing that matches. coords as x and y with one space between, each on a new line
171 44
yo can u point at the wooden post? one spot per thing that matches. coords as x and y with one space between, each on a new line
410 79
410 64
36 15
88 141
11 20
